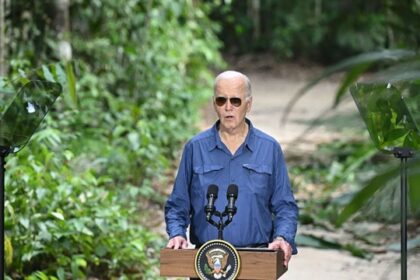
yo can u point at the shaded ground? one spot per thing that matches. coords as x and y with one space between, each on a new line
273 86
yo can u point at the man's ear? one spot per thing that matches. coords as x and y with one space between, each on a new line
249 104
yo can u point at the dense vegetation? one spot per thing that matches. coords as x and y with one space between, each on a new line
317 30
76 196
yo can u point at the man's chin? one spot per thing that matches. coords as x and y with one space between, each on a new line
229 121
228 125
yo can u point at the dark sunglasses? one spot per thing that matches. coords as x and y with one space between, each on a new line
235 101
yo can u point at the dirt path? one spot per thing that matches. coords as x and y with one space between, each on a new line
273 86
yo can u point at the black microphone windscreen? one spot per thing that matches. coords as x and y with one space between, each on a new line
232 190
212 190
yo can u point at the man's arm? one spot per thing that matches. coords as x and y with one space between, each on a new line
177 207
284 208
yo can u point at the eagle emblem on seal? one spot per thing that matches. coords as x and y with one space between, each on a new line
217 260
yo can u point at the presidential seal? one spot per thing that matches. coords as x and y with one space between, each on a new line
217 259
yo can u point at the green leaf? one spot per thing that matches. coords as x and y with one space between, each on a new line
71 82
58 215
101 250
81 262
102 224
24 222
413 185
61 273
47 74
316 242
28 256
38 275
323 243
350 78
365 59
8 251
357 251
403 71
394 134
365 194
380 181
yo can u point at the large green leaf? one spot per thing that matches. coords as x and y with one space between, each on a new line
62 73
350 78
316 242
402 71
71 82
360 64
6 93
378 182
324 243
414 187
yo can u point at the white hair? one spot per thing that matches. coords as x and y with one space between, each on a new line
234 74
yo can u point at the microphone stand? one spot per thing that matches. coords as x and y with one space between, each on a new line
221 224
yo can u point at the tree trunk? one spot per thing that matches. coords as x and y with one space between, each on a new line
254 12
3 69
62 26
318 10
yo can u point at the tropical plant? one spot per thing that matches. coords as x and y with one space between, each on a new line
400 68
78 195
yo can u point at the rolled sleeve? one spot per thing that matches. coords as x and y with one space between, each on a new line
177 207
283 204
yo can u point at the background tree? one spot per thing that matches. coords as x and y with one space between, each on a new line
4 4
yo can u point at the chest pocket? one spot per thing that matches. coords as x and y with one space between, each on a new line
205 175
259 176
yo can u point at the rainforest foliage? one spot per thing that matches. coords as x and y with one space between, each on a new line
76 195
134 74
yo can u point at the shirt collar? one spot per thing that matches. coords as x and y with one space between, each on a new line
217 142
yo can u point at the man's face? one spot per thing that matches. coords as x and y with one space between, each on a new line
231 116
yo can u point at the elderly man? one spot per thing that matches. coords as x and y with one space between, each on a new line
233 151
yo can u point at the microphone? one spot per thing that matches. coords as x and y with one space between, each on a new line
232 195
211 198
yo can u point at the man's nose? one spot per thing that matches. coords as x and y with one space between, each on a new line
228 105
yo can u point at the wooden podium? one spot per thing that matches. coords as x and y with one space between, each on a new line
256 263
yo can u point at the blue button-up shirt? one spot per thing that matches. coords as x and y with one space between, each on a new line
265 205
